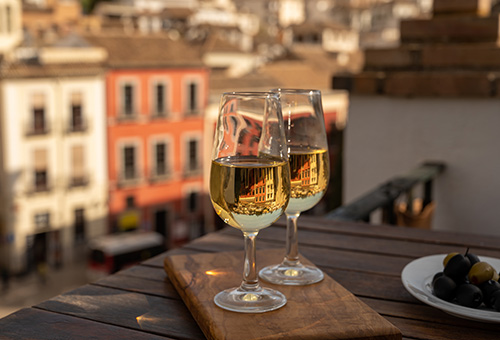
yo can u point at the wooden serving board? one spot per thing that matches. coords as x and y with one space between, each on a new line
324 310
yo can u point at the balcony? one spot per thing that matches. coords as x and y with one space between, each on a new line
160 175
192 113
124 117
128 179
37 129
78 127
78 181
193 170
385 196
39 188
159 115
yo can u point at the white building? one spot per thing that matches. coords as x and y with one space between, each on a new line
53 171
10 24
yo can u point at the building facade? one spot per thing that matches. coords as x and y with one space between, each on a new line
53 163
155 110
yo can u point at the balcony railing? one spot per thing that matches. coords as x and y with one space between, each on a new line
32 130
128 179
384 196
38 188
80 127
159 115
127 117
192 113
193 170
78 181
160 175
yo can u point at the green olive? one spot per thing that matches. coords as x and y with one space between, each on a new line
481 272
495 277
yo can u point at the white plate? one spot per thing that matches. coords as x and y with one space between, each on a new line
417 279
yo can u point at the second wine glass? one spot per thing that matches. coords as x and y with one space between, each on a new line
309 168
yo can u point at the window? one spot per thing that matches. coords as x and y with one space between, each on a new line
129 162
159 99
38 111
128 100
8 19
40 180
79 224
193 155
161 159
42 221
76 112
40 165
39 120
193 93
130 202
192 202
77 165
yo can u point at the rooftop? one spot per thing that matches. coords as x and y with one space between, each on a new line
143 51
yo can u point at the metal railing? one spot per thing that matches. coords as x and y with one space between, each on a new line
384 196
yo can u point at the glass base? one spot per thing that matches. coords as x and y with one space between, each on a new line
291 275
260 301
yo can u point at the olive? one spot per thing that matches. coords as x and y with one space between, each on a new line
488 288
447 258
457 267
496 276
480 272
444 288
495 300
469 295
460 280
438 274
473 258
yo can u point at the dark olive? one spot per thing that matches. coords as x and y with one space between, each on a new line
488 288
469 295
444 288
438 274
461 280
495 300
448 257
457 267
473 258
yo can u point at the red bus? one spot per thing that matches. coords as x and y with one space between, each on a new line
111 253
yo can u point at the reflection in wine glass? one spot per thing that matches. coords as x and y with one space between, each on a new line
309 170
250 185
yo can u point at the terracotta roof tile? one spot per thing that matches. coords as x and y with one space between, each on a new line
126 51
219 82
32 70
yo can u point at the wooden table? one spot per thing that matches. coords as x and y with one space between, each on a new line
141 303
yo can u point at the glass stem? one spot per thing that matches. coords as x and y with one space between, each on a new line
292 241
250 278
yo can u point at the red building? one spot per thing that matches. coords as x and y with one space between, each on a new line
157 92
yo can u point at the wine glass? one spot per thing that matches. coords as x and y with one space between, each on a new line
250 185
309 170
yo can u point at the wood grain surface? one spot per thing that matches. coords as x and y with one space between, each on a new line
141 303
324 310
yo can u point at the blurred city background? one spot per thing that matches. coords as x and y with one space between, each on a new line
108 108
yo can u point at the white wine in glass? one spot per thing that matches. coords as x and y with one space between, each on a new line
250 185
310 173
